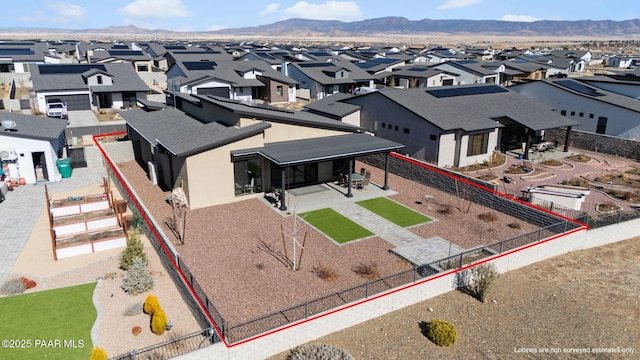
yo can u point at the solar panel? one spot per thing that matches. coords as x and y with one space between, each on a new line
16 51
264 55
465 91
125 53
315 65
418 69
199 65
69 69
366 65
382 61
520 61
468 61
318 53
120 46
581 88
18 43
174 47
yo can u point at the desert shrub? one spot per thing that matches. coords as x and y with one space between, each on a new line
159 321
324 272
368 271
134 309
12 287
151 304
446 209
97 353
514 225
136 330
630 196
442 333
134 249
482 277
28 283
138 279
488 217
319 352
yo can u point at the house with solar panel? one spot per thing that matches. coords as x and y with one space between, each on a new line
449 126
19 56
419 75
115 53
88 86
239 80
471 71
326 78
595 109
221 150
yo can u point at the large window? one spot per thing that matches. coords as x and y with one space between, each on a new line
279 90
247 176
478 144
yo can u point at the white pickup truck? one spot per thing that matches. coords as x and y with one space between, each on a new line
56 108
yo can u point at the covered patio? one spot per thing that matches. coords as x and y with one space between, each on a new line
303 163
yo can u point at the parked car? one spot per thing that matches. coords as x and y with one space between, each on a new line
56 108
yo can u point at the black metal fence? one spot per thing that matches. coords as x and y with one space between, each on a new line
171 348
609 219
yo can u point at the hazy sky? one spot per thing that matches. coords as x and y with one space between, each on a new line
199 15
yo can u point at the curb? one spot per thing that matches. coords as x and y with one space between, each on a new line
96 325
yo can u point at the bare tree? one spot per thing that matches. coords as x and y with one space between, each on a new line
180 205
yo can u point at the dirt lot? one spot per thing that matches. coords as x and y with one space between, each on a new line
575 302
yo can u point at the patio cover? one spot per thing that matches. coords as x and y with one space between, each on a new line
295 152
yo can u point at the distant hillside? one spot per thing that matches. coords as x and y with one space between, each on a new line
401 25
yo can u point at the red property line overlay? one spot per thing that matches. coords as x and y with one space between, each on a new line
398 156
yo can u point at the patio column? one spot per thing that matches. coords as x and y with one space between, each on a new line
283 202
349 172
527 146
386 172
567 139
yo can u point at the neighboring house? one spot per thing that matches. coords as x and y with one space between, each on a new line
326 78
516 71
623 62
88 86
30 146
222 151
624 84
423 76
20 56
471 71
454 126
240 80
115 53
596 110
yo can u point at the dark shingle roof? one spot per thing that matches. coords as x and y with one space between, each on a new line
124 77
33 127
184 135
332 106
476 112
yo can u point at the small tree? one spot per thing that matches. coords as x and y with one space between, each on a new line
482 278
319 352
138 279
159 321
97 353
134 249
151 304
442 333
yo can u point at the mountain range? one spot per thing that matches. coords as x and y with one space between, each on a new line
386 25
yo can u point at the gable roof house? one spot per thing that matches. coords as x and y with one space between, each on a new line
471 71
19 56
326 78
596 110
624 84
422 76
115 53
88 86
222 151
454 126
241 80
30 147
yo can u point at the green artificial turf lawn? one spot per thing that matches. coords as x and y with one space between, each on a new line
394 212
334 225
51 324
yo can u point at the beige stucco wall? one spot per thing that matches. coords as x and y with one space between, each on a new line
210 175
286 132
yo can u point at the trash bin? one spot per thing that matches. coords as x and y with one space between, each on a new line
64 166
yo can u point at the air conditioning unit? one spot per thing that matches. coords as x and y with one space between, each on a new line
153 173
8 154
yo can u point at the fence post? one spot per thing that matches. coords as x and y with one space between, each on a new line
619 217
366 290
415 273
539 234
460 260
306 309
566 223
501 243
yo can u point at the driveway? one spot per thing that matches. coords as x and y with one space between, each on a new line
81 118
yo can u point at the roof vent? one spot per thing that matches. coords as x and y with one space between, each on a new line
8 125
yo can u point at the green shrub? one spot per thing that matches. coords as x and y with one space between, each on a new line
442 333
488 216
151 304
319 352
134 249
159 321
98 353
13 287
482 278
137 279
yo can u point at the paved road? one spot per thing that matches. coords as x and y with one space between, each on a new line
23 206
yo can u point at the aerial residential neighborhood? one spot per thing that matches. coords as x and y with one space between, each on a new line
244 194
